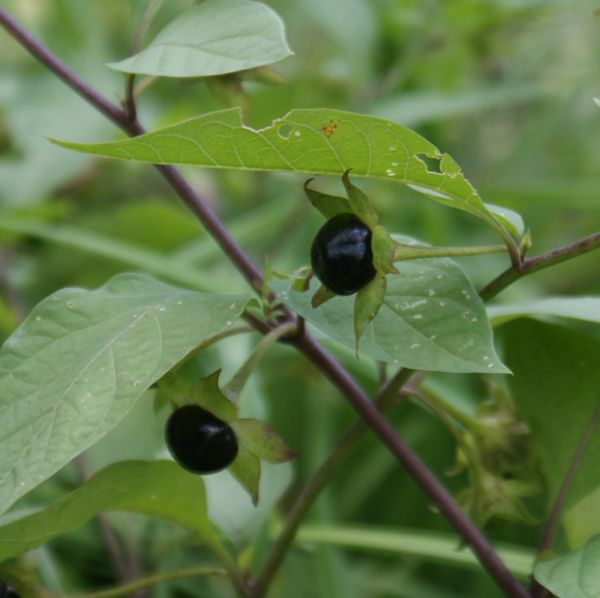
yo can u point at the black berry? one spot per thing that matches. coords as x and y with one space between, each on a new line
341 254
6 591
200 442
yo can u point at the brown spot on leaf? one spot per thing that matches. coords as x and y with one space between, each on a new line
328 129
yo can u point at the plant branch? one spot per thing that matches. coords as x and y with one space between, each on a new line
151 580
443 500
409 252
115 550
129 103
305 500
329 366
553 520
540 262
234 387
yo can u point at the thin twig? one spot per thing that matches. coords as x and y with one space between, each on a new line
540 262
129 104
151 580
113 545
305 500
307 345
553 521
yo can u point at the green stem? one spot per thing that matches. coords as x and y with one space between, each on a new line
231 568
416 543
439 407
409 252
433 398
305 500
234 387
152 580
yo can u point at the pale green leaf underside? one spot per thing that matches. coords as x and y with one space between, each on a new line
578 308
574 575
81 359
159 488
431 319
555 387
315 141
215 38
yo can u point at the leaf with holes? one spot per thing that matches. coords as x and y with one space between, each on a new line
317 141
81 359
573 575
159 488
215 38
431 319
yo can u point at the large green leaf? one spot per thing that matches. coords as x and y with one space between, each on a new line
574 575
214 38
579 308
431 319
317 141
81 359
555 386
159 488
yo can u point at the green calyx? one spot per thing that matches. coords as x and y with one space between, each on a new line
256 440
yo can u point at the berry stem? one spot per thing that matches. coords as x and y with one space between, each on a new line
235 386
409 252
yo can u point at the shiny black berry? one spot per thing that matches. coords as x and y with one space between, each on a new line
6 591
200 442
341 254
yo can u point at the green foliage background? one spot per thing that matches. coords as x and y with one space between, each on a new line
505 87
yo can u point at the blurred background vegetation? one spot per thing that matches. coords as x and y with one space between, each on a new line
505 86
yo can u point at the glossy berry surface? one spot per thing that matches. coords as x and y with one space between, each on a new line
341 254
6 591
200 442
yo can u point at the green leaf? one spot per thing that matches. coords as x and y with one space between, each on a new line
328 205
159 488
360 202
367 304
92 242
205 392
322 295
246 470
555 386
261 440
384 250
512 221
579 308
318 141
432 319
574 575
81 359
214 38
418 108
581 521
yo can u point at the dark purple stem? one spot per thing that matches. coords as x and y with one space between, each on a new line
331 368
540 262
